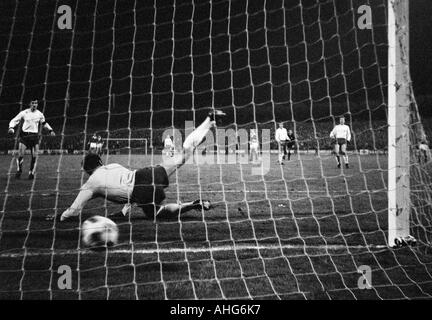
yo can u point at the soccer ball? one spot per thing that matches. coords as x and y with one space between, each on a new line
99 231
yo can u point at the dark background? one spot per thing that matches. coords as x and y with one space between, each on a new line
271 61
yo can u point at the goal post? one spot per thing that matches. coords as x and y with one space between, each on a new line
399 101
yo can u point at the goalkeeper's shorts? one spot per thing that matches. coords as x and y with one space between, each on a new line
148 192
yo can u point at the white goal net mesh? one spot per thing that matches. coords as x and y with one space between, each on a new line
131 71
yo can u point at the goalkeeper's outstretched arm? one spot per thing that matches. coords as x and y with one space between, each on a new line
75 209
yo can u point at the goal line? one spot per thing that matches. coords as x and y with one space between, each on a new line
222 248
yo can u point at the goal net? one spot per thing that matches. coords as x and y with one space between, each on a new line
137 71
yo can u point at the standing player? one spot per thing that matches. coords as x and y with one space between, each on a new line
32 123
254 146
282 139
93 143
341 134
144 187
291 143
423 150
96 144
169 146
99 145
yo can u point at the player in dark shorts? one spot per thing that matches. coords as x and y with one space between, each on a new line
144 187
32 121
29 139
341 134
291 143
341 142
96 144
340 150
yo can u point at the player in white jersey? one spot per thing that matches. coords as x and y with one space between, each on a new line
143 187
32 120
341 134
169 146
282 139
254 145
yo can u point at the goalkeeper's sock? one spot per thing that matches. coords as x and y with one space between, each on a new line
197 136
338 160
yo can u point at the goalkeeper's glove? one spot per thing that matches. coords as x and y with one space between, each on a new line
52 133
11 131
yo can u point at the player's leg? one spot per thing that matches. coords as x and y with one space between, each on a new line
193 140
281 154
34 156
163 211
255 153
167 211
289 151
344 155
20 159
174 210
336 151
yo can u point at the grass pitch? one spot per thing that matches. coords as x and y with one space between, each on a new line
301 231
